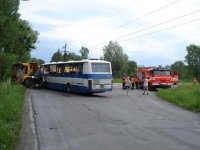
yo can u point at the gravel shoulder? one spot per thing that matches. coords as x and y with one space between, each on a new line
27 139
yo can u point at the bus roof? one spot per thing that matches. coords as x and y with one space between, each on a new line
79 61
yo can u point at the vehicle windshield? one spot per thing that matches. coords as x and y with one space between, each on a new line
161 72
100 67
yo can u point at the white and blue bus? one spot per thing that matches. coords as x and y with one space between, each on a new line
85 76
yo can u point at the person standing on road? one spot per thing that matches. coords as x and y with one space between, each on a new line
145 86
127 85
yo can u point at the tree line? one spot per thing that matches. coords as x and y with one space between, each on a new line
192 59
121 64
17 38
58 56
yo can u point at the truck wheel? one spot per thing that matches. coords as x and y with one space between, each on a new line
28 83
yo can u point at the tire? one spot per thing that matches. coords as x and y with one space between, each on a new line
28 83
68 88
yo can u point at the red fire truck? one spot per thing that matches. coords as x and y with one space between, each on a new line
158 77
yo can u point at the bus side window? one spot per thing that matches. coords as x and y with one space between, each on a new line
80 69
71 69
60 69
46 71
52 69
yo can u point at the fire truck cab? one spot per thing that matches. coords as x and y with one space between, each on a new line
158 77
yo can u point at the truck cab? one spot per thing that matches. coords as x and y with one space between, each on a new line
24 73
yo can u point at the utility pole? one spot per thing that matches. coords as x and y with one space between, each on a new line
65 52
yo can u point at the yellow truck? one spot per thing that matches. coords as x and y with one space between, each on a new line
25 73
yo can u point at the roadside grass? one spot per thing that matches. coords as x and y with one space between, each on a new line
11 107
185 81
117 80
186 96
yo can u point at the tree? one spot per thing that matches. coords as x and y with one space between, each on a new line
84 52
132 66
6 62
33 59
181 68
193 59
73 56
17 38
114 53
40 61
57 56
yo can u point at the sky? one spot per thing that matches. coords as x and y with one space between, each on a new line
151 33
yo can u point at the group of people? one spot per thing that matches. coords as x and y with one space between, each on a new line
128 84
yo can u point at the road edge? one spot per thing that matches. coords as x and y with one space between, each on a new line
28 135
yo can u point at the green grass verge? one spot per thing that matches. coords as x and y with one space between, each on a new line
117 80
11 107
186 96
185 81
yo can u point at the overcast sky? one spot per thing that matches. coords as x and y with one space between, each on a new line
151 32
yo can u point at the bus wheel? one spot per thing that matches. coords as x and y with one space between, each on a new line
28 83
68 88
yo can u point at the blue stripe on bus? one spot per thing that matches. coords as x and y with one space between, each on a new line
84 76
76 88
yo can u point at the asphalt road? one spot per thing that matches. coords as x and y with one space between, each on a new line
112 121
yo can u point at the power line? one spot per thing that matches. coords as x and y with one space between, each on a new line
174 26
150 13
143 16
155 25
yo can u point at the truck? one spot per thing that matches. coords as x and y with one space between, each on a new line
158 77
25 73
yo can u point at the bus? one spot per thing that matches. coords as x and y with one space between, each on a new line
84 76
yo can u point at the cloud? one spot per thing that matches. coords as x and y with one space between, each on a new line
93 23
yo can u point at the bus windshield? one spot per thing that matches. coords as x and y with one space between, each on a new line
100 67
161 72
